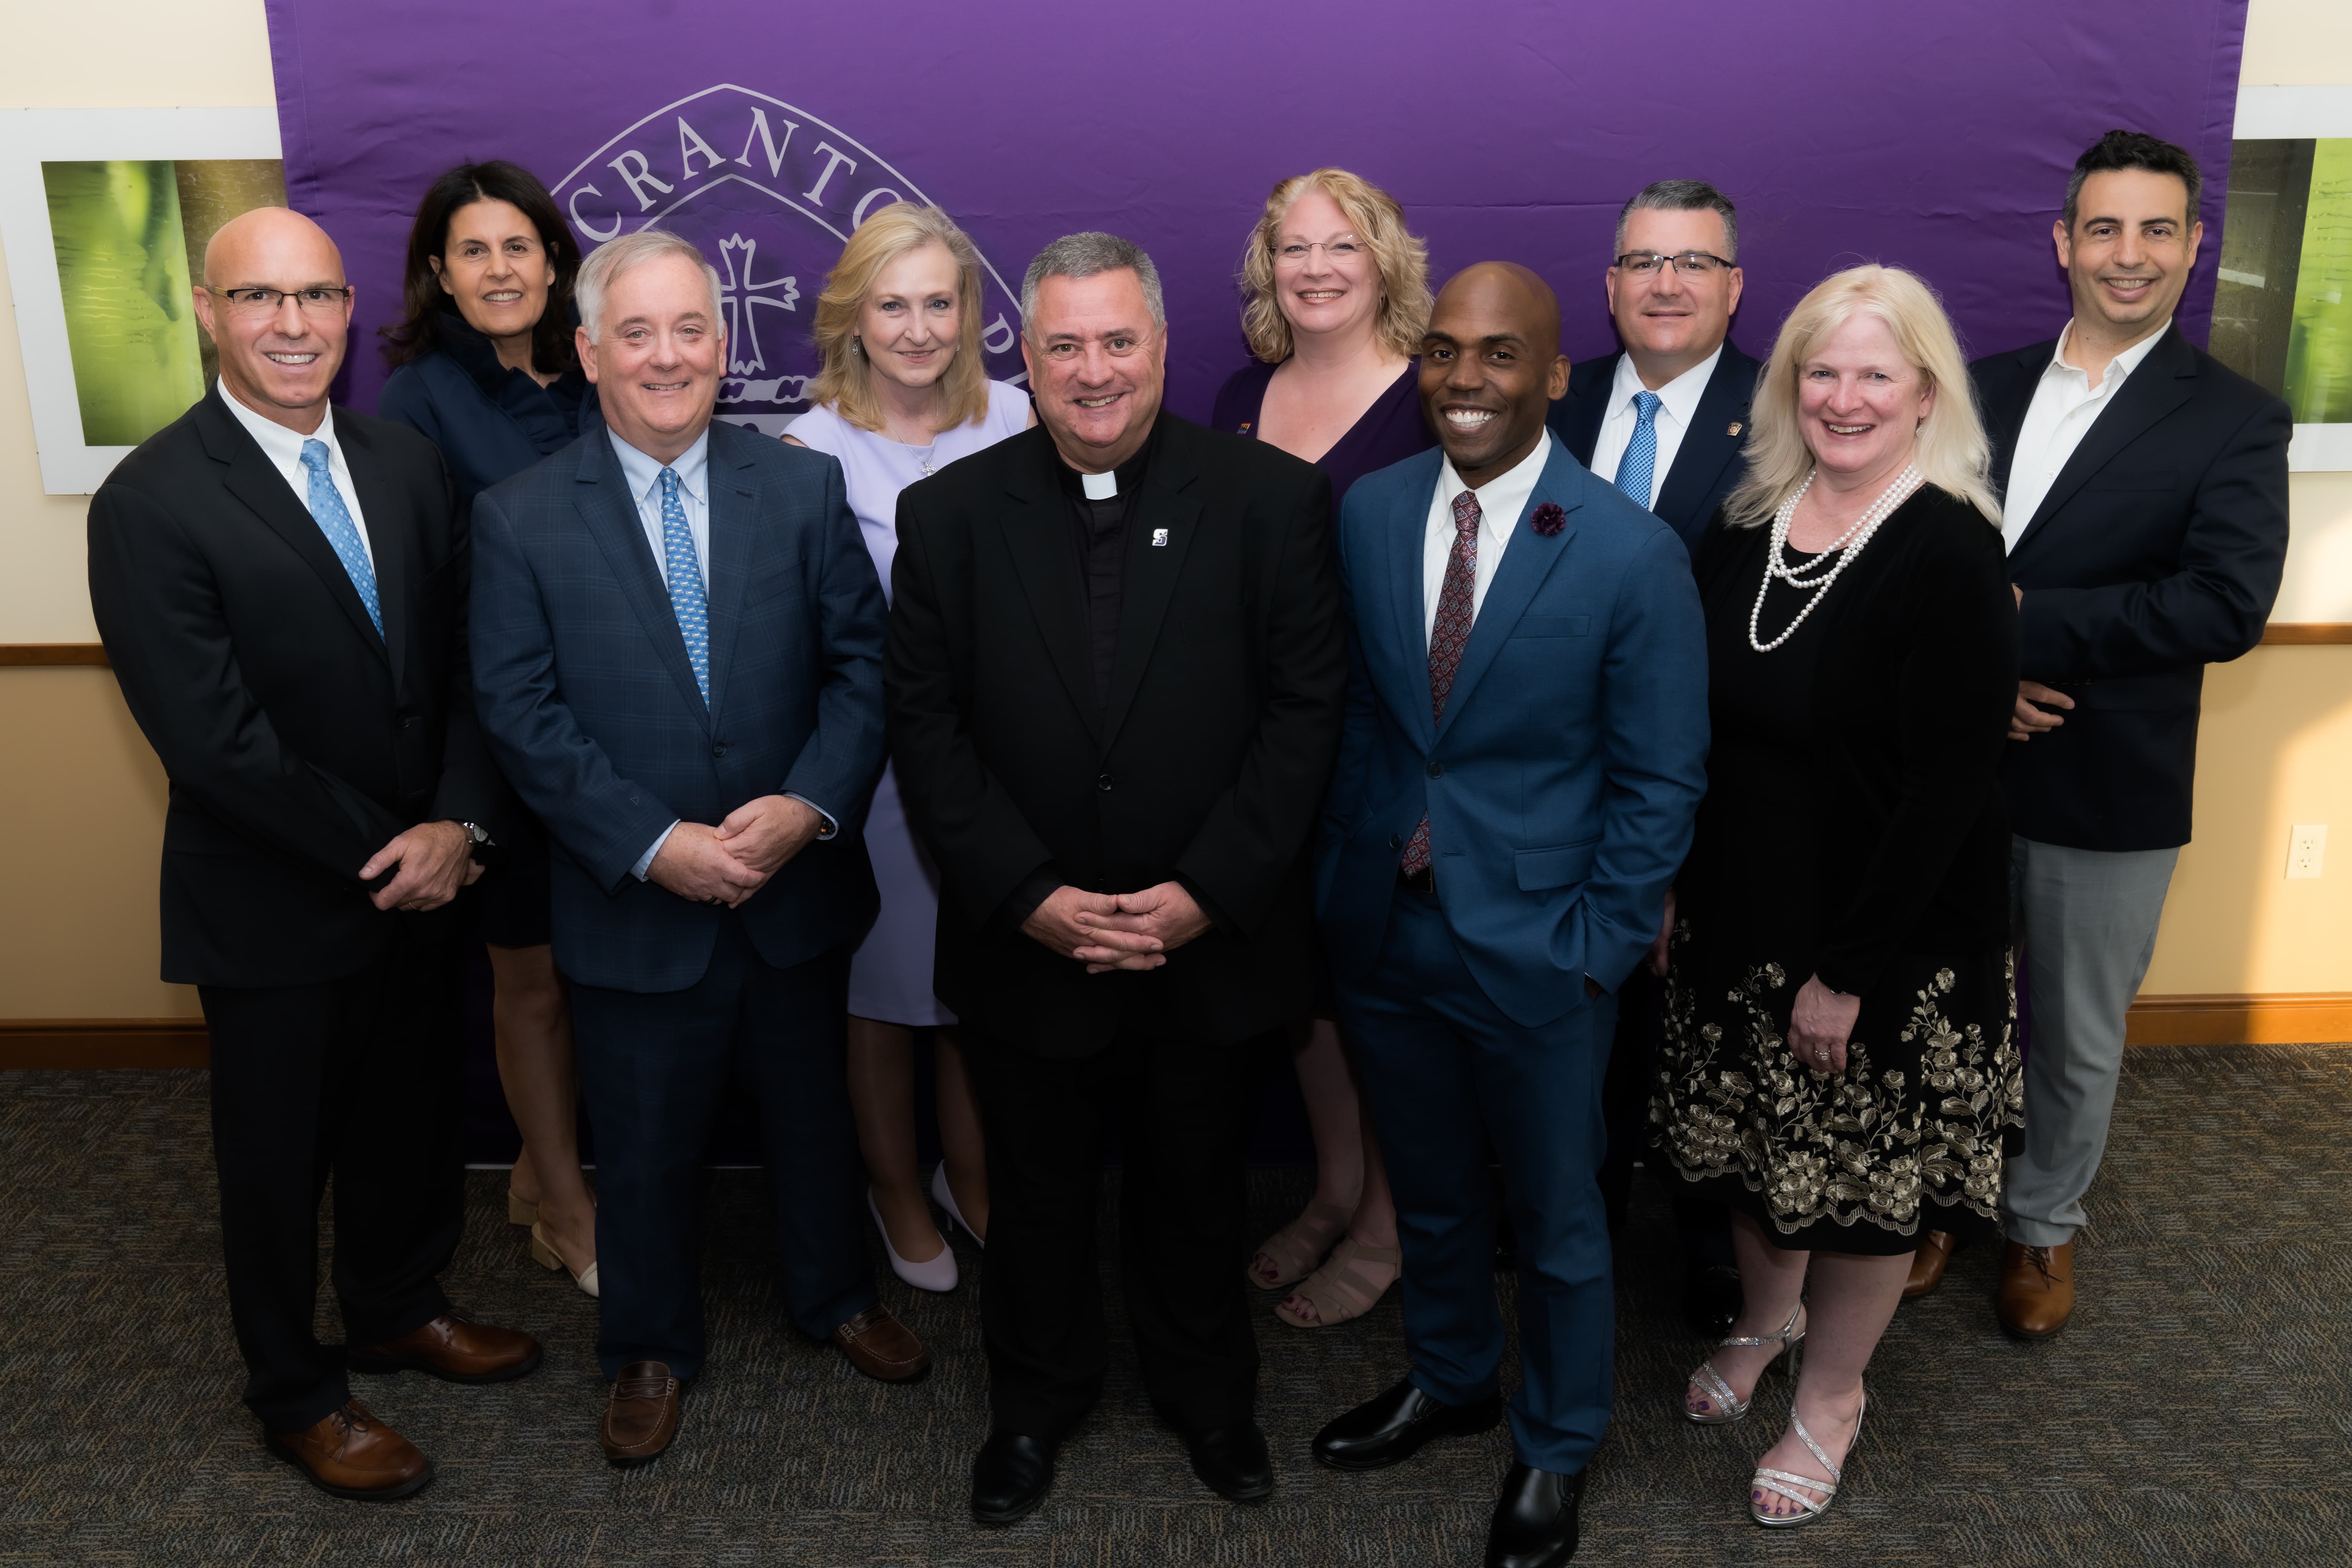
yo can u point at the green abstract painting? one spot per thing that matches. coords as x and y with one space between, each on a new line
2318 380
122 266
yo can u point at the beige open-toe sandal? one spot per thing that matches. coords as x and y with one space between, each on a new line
1344 1287
1298 1247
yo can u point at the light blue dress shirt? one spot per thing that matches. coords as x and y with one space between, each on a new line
693 470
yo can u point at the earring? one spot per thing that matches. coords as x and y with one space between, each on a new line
858 346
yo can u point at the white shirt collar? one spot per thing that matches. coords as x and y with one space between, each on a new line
644 474
280 445
2118 368
1679 395
1504 497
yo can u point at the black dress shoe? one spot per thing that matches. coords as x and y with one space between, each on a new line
1011 1476
1711 1298
1393 1425
1231 1462
1534 1519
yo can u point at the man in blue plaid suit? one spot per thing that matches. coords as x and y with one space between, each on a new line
678 637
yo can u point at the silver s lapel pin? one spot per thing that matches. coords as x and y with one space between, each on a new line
1158 538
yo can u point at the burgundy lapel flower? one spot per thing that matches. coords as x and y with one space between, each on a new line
1549 518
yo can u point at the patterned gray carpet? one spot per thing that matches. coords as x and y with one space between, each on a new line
2199 1410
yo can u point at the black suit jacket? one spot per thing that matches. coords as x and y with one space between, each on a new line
1207 764
2157 551
298 742
1706 465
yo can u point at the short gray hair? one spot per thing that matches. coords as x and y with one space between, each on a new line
1084 256
614 257
1681 196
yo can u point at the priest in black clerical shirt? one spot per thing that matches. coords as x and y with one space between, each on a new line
1114 676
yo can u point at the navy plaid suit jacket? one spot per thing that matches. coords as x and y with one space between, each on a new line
591 707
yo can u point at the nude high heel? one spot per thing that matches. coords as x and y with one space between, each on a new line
543 1253
935 1274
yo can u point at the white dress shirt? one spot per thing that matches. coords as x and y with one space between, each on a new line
693 469
1679 405
2065 407
1500 502
283 447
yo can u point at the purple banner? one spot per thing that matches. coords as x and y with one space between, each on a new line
1936 138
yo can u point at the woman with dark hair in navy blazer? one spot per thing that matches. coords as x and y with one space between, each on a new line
487 370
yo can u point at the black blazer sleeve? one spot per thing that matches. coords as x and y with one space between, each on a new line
1954 638
984 844
2212 608
1255 833
166 633
470 789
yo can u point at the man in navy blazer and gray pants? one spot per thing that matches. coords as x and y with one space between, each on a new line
2143 500
678 649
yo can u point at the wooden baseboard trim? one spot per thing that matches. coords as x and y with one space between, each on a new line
104 1042
2273 1019
51 655
2307 634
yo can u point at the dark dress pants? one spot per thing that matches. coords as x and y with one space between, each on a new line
1182 1227
1448 1076
359 1078
1703 1228
653 1069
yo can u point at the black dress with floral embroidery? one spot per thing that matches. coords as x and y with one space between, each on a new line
1852 828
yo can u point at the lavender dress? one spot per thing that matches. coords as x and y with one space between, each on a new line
890 974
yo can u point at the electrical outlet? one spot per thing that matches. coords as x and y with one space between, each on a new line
2307 850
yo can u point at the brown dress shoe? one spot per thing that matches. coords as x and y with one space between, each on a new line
2037 1288
1928 1264
452 1349
349 1453
879 1345
641 1417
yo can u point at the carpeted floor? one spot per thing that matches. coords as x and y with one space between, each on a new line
2199 1410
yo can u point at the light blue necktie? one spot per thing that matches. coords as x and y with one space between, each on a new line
1640 462
687 599
334 519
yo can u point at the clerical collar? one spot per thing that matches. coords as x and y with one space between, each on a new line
1123 480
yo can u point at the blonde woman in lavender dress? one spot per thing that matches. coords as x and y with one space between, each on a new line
901 395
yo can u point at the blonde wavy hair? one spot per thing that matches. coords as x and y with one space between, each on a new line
1402 259
846 379
1949 449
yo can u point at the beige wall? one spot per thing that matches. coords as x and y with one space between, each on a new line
81 799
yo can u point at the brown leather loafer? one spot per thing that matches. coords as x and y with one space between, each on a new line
2037 1290
641 1417
879 1345
349 1453
1928 1264
452 1349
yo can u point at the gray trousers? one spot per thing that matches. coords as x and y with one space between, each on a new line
2087 918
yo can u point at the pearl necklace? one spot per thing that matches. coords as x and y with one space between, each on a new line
1849 545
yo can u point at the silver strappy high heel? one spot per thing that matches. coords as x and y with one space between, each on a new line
1729 1407
1785 1484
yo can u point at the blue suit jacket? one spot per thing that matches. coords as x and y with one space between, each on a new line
1561 782
591 707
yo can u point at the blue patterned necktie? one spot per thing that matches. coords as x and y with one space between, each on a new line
334 520
1637 467
687 600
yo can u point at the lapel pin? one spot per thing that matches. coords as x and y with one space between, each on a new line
1734 428
1550 519
1158 538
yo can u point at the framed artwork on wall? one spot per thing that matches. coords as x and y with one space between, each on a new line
104 214
2282 299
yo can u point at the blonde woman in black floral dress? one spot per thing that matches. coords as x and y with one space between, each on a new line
1841 1064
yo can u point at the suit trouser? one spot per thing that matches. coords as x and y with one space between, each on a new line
360 1079
653 1069
1448 1075
1183 1227
2087 918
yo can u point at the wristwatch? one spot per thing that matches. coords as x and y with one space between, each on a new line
478 841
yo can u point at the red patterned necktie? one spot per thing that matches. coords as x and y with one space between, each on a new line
1445 640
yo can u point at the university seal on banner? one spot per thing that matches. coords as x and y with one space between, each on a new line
770 192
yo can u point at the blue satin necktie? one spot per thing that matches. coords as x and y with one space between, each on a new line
687 600
334 520
1639 465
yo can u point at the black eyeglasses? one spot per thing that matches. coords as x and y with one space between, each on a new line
319 300
1690 263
